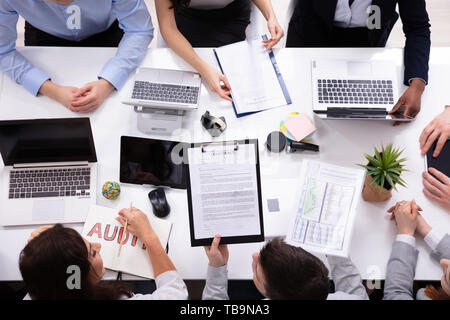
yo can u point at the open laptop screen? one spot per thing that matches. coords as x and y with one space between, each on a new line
46 140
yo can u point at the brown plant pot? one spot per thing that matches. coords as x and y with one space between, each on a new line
373 193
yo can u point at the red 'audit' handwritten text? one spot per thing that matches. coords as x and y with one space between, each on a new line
109 235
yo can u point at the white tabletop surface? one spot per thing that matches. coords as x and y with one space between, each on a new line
341 143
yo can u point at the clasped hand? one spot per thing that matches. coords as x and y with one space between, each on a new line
82 100
408 218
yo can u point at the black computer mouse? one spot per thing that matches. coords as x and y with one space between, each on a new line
159 202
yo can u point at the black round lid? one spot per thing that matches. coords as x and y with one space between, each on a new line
276 141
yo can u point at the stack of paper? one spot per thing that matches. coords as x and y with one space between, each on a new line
298 126
224 193
325 208
256 82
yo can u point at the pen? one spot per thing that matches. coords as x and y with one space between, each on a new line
124 230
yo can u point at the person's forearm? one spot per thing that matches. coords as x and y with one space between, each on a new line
49 89
158 257
179 44
174 39
416 28
130 53
216 286
135 21
265 6
346 277
418 83
432 238
12 62
400 272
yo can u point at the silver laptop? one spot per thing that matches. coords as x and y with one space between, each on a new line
50 173
165 89
345 89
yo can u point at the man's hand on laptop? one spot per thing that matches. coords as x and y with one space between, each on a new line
438 129
91 96
410 102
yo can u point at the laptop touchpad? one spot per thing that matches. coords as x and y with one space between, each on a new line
359 68
169 76
45 210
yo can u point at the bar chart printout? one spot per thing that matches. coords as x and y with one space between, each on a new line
325 210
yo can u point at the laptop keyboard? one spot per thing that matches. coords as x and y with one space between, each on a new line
370 92
144 90
39 183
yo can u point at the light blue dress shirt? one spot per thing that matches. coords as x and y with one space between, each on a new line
75 21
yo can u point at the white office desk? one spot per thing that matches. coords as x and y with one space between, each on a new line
341 142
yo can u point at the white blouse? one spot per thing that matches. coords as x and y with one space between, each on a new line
351 17
169 286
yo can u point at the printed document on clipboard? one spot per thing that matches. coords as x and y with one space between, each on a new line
325 211
224 192
255 79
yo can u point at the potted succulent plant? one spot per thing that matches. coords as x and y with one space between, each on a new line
383 173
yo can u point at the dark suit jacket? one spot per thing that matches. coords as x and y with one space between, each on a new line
313 22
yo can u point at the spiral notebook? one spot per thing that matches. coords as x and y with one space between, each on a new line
102 227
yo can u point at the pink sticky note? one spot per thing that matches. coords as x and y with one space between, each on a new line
299 127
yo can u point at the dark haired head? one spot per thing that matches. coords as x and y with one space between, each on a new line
44 264
292 273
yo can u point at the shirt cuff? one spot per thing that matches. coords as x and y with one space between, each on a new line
433 238
33 80
217 275
406 238
114 75
410 80
336 260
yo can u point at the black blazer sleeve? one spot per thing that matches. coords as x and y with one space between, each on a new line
416 27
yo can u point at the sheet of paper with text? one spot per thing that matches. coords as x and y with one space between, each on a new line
325 210
254 83
224 192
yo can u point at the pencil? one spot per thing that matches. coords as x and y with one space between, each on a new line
124 230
